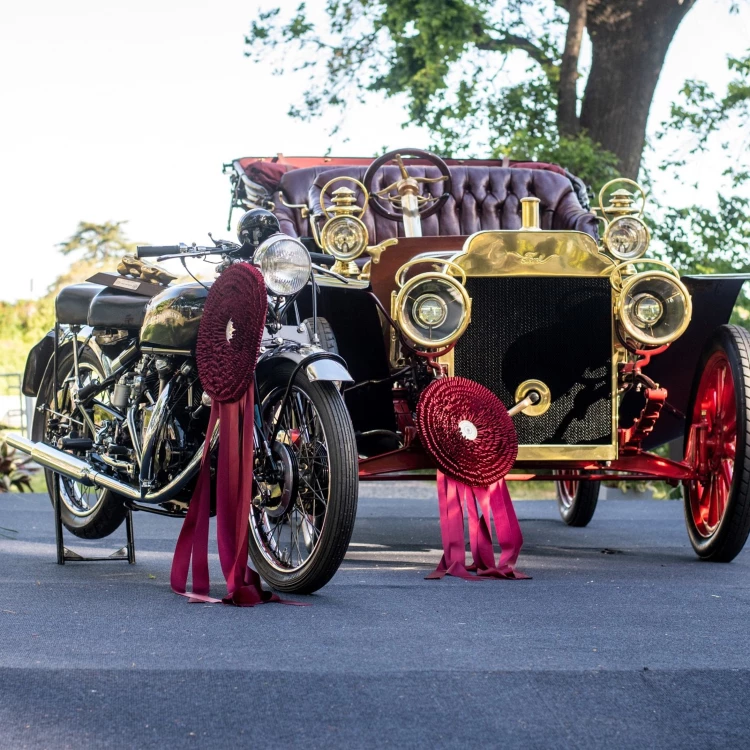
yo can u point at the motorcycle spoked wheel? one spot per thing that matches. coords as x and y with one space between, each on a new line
299 549
87 512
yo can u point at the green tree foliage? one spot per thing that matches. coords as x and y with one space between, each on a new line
91 247
450 57
98 242
713 238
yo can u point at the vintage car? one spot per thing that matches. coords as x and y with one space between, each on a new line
500 273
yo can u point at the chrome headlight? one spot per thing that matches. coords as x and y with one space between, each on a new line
432 309
654 308
627 238
284 263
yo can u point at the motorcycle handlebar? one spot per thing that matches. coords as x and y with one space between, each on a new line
154 251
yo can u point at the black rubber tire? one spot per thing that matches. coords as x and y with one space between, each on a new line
111 512
730 536
343 483
578 509
325 334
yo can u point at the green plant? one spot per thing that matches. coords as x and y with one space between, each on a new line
16 470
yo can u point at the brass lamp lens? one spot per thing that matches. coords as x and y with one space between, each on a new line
647 309
627 238
344 237
430 310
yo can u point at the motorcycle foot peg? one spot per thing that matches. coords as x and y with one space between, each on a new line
80 444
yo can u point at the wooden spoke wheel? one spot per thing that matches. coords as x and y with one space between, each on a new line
717 502
576 500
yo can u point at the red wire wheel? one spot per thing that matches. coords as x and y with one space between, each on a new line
230 332
717 502
467 430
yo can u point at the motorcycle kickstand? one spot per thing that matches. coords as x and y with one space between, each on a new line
64 554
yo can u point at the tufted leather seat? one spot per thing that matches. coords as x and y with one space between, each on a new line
481 198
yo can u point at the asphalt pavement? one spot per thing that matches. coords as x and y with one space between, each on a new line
623 638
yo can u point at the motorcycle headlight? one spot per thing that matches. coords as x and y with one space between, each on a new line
284 263
627 238
654 308
432 310
344 237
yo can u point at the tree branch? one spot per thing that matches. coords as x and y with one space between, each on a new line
567 96
508 42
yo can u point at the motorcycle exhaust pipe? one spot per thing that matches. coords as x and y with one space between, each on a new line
79 471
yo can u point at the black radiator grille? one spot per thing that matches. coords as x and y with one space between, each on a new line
554 329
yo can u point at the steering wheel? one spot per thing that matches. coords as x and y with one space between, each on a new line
428 204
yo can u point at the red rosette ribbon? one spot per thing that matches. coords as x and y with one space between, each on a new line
468 432
229 339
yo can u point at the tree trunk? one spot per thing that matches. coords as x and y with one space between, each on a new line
567 97
630 39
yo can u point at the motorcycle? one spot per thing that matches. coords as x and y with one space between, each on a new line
121 417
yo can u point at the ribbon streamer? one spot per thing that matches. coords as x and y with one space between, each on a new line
469 433
228 344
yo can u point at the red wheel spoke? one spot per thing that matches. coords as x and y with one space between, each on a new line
715 421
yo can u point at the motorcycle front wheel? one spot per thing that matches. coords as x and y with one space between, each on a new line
300 525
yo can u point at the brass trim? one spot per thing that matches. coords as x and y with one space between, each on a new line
532 253
567 452
344 208
530 213
545 397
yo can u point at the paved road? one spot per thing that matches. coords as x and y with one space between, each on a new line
622 639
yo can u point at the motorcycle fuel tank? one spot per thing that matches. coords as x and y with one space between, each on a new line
173 316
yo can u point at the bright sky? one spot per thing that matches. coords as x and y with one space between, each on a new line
127 110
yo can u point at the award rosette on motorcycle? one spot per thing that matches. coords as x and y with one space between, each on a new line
471 437
227 350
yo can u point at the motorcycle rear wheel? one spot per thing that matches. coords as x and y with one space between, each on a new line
87 512
299 549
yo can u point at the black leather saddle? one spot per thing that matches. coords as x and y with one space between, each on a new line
100 306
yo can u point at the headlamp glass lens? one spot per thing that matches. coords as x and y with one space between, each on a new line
284 263
647 309
627 238
344 237
430 310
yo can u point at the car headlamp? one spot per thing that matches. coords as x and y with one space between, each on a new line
284 263
432 309
344 237
654 308
627 238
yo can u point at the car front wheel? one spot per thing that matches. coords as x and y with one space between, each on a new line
576 500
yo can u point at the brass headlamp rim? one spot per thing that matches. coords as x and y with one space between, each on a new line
637 333
613 223
615 275
440 261
398 309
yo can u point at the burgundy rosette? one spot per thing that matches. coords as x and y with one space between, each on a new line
227 350
469 433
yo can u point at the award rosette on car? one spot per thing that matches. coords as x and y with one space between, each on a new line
227 350
471 437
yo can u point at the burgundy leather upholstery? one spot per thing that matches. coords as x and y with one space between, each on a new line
481 198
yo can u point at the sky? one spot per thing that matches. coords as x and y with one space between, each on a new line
115 110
